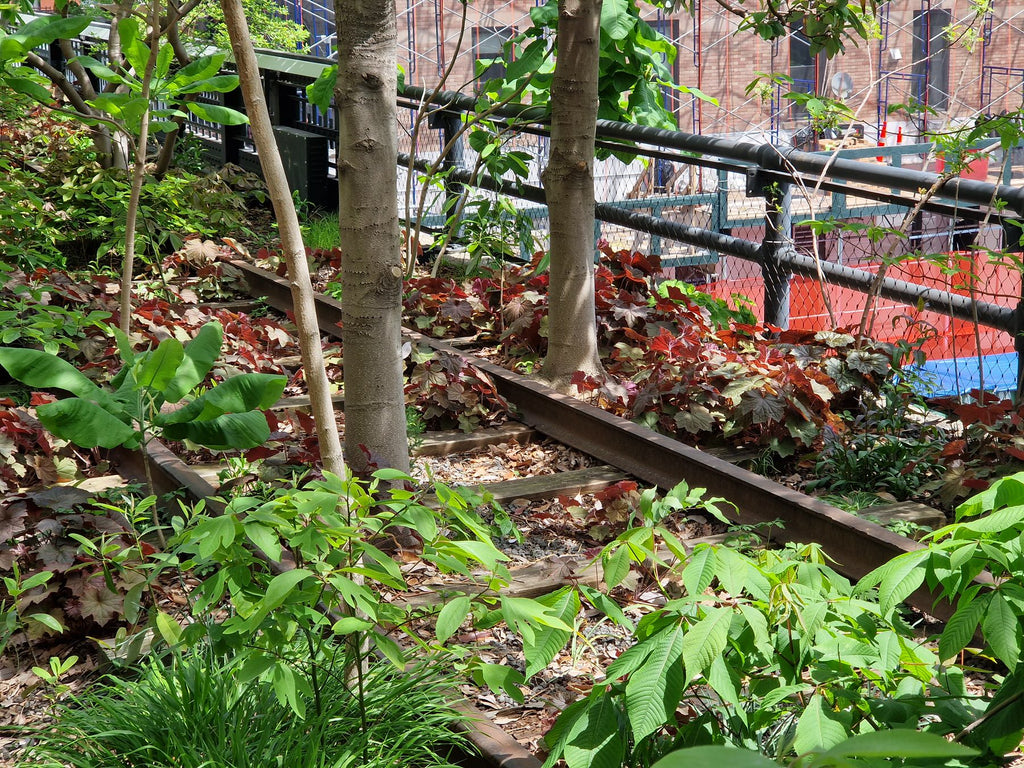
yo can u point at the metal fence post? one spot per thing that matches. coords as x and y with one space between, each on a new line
1013 233
778 225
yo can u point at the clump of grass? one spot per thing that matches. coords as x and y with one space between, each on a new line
192 711
322 233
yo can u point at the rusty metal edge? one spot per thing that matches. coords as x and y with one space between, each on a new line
856 545
170 473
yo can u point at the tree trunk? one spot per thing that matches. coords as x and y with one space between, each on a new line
569 188
371 269
314 369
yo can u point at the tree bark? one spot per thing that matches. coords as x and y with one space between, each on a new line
314 369
371 269
569 188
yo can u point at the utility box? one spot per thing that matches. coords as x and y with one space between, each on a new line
304 156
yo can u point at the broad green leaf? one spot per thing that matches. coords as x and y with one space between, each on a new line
1002 628
281 586
163 61
47 621
264 537
169 629
47 29
450 618
499 677
216 84
899 578
244 392
43 370
349 624
198 69
100 69
228 432
133 46
606 605
391 650
156 368
700 570
816 728
902 743
199 357
216 113
594 740
705 641
86 424
715 757
547 641
616 20
653 691
960 628
29 87
616 567
321 91
1002 520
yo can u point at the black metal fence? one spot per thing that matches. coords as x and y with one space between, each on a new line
870 238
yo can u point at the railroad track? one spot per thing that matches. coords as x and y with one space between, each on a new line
621 449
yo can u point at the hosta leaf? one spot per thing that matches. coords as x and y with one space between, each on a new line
705 641
594 740
817 729
653 691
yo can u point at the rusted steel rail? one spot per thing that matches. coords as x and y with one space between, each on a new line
856 545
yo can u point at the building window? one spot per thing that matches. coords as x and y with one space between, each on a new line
806 69
931 58
489 44
671 98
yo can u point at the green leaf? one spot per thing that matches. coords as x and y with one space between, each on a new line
169 629
616 566
198 69
264 537
281 586
216 113
47 29
607 606
43 370
904 744
817 729
547 641
616 20
199 357
29 87
47 621
594 740
653 691
705 641
450 618
960 628
899 578
216 84
244 392
700 570
228 432
715 757
321 91
500 678
156 368
86 424
349 624
1001 625
391 650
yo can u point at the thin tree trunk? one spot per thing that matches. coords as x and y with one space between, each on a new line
138 175
569 188
368 209
291 238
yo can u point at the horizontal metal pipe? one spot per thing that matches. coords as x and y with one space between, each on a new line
945 302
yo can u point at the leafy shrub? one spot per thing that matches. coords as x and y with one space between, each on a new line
449 393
